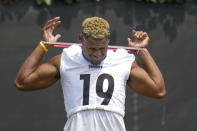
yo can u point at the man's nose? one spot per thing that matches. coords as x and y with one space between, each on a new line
97 53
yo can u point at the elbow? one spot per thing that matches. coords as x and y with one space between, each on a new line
160 90
18 86
161 93
23 86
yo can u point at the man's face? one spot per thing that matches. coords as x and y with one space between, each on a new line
95 50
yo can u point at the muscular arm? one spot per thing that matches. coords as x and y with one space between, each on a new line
34 76
147 81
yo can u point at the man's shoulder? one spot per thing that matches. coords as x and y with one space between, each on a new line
119 56
72 50
72 55
55 61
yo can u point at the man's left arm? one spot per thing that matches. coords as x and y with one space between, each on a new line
146 80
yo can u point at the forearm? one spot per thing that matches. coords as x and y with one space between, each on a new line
151 68
30 64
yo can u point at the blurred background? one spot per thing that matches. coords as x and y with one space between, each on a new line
171 25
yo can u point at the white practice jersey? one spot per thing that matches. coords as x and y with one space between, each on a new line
95 120
86 86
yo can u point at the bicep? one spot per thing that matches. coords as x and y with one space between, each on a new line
44 76
140 81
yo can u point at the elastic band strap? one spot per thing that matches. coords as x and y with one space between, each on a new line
137 52
43 47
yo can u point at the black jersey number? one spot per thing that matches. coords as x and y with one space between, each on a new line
99 88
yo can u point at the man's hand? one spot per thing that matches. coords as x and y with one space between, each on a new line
47 30
141 39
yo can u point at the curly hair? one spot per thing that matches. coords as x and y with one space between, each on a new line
95 27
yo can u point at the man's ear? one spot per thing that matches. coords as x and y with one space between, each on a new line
109 37
81 38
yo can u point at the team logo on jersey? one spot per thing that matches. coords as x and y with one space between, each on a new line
95 66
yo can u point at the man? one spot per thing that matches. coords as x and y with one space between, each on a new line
93 78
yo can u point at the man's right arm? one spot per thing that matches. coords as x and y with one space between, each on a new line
34 75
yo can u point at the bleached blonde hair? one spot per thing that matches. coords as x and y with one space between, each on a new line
95 27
